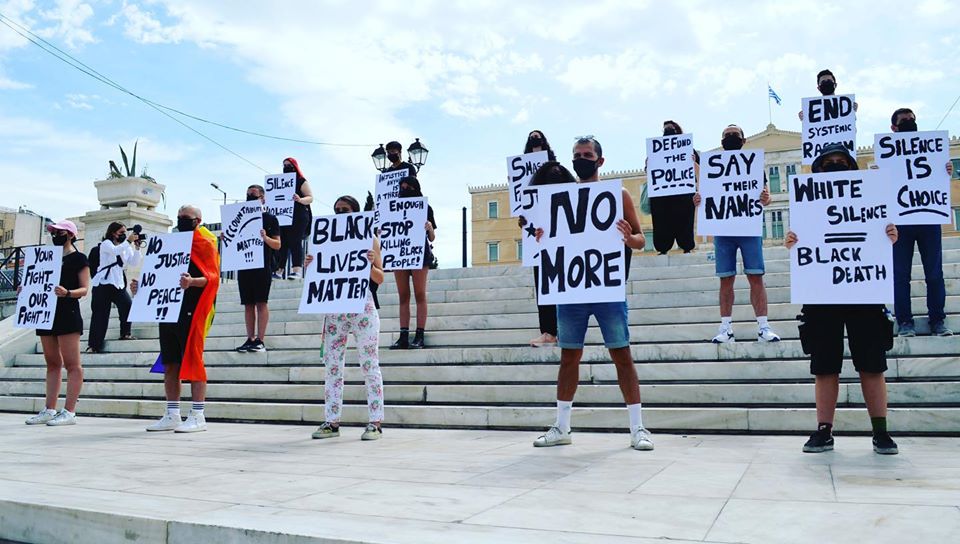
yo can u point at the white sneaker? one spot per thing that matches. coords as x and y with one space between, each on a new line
194 423
42 418
168 422
372 432
63 417
724 337
641 440
553 437
766 334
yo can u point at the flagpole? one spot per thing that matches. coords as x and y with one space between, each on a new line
769 105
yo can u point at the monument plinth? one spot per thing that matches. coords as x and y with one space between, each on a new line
129 200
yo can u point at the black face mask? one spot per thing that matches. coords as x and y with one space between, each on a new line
827 87
288 169
393 157
185 224
535 141
670 131
252 197
121 238
731 142
585 168
408 193
907 125
834 167
60 239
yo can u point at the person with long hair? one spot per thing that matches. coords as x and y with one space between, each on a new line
117 250
673 215
291 236
410 188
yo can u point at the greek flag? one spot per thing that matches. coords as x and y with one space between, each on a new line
773 94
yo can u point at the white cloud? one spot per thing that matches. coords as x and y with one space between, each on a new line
69 18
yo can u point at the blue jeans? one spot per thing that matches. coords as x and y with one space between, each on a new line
612 317
928 239
751 250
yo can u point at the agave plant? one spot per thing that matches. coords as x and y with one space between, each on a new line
130 167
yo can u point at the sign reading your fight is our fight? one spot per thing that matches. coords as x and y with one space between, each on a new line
37 303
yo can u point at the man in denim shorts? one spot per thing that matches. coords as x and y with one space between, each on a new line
572 320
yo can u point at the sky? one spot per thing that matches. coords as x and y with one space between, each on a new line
469 78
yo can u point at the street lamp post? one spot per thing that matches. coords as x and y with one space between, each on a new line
217 187
416 155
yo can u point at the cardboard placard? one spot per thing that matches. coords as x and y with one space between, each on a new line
387 188
159 295
280 189
403 237
916 165
520 170
338 279
242 247
670 166
730 187
828 120
37 303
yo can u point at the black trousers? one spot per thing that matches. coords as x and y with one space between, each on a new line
291 245
547 314
673 221
104 297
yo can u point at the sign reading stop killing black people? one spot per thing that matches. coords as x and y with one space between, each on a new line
730 187
581 250
387 188
242 247
280 189
670 166
828 120
159 295
520 170
37 303
842 255
915 163
338 279
403 236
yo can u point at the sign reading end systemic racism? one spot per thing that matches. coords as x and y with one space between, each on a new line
843 255
242 245
670 166
403 236
37 303
915 163
520 170
730 187
387 189
280 189
159 295
828 120
338 279
581 250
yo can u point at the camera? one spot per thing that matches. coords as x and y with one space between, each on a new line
137 229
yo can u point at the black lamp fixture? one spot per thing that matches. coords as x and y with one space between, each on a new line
417 154
379 157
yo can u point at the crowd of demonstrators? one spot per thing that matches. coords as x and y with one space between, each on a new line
292 236
118 250
673 215
410 188
254 284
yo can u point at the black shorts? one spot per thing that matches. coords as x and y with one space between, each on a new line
869 334
173 340
254 285
66 319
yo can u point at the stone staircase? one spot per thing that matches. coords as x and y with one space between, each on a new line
478 373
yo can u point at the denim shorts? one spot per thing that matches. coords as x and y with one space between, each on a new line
572 322
751 250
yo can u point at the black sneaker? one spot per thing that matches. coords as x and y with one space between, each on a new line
257 346
417 342
884 445
819 442
245 347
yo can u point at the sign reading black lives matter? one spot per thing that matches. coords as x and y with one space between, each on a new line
242 247
37 303
520 170
388 188
916 165
843 255
280 189
339 277
670 166
403 236
828 120
159 295
730 187
581 250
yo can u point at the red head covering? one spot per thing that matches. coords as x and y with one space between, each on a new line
296 166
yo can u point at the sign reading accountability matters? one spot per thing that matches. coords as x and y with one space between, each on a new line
915 163
582 252
730 187
843 255
37 303
338 279
388 188
159 295
828 120
403 237
242 245
520 170
670 166
280 189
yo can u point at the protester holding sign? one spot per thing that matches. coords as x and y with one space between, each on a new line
254 284
827 119
394 154
61 343
673 215
116 251
827 85
410 188
869 333
292 236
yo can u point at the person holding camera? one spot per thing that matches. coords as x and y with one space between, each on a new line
116 251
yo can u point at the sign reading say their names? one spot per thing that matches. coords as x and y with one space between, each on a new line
730 187
159 295
520 170
242 247
916 165
37 303
581 250
388 188
338 279
842 255
828 120
670 166
403 236
280 189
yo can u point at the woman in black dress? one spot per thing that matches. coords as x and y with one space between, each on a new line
61 344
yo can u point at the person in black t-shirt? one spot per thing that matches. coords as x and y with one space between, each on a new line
292 236
254 284
394 151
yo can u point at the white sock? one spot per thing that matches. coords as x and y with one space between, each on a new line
726 323
564 407
636 419
173 408
762 322
198 408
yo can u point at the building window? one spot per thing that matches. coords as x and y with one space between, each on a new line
774 179
956 215
519 250
493 252
763 236
776 224
492 209
956 168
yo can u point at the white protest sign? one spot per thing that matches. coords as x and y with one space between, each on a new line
730 187
403 235
843 255
528 233
828 120
388 188
520 170
159 295
339 277
36 303
581 251
916 165
280 189
242 247
670 166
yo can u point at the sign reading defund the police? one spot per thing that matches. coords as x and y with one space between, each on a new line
37 303
280 189
520 170
582 252
916 165
159 295
842 255
387 189
730 187
828 120
403 236
338 278
670 166
242 245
